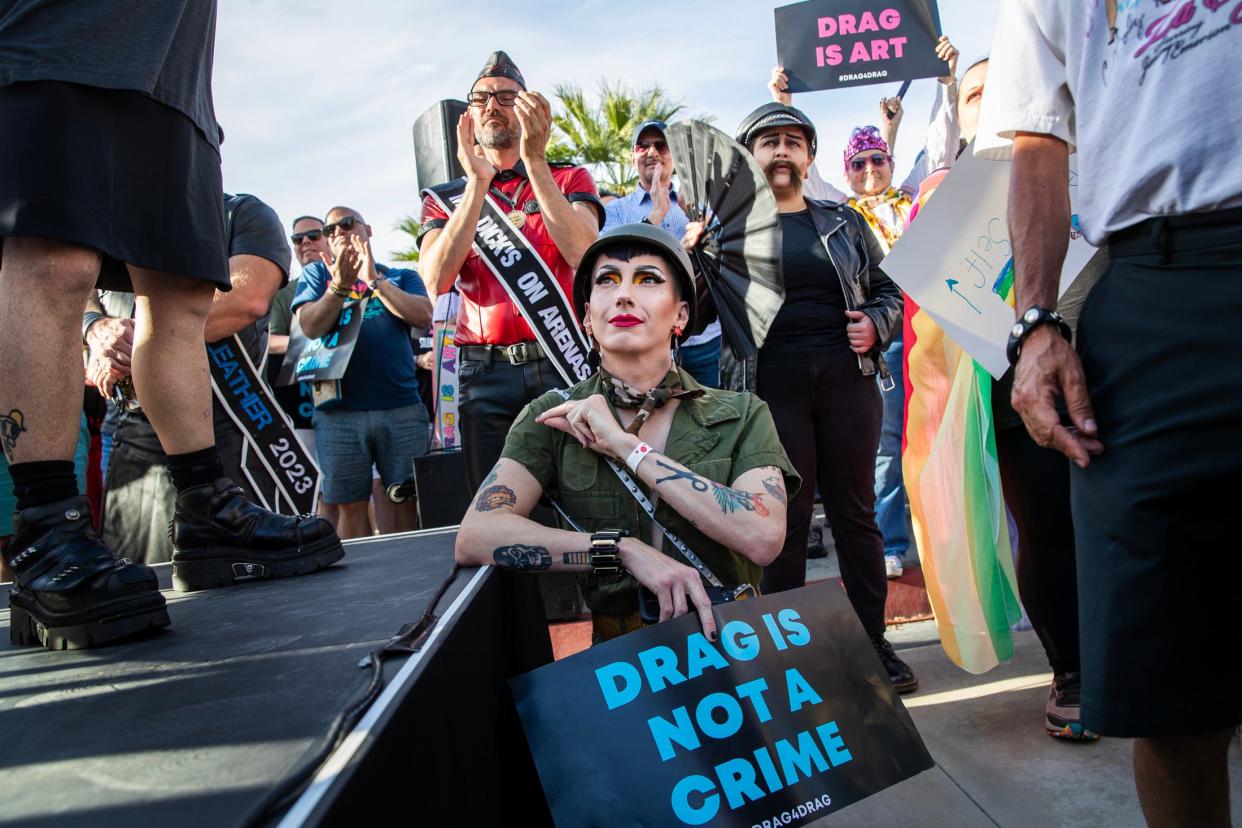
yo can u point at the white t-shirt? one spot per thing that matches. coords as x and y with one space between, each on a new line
1148 98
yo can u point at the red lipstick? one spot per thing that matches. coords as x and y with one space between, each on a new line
624 320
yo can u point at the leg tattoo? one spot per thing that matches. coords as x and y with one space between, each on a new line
11 425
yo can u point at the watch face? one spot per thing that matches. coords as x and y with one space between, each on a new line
1031 316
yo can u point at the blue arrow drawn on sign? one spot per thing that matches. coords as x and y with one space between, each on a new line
952 289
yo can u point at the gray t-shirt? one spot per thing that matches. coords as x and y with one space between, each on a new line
163 49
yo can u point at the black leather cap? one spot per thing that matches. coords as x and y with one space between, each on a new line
774 115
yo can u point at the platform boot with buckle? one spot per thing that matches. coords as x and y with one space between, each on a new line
71 591
219 537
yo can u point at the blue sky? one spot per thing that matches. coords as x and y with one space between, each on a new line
318 97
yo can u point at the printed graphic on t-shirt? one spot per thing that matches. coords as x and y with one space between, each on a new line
1154 33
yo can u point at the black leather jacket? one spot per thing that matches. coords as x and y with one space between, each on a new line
857 255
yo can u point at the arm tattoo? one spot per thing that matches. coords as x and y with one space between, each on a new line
731 500
519 556
495 497
681 474
576 558
11 425
491 476
775 488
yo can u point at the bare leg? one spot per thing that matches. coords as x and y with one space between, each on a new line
44 284
170 359
405 516
1184 781
329 512
385 516
354 520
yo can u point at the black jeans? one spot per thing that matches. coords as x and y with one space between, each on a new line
492 395
828 416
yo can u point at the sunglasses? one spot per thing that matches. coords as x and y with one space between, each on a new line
345 224
309 235
643 146
857 164
505 97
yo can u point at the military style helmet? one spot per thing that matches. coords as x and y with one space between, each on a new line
637 234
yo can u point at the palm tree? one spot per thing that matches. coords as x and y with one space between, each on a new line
599 136
410 226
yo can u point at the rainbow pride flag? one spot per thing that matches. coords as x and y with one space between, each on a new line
952 478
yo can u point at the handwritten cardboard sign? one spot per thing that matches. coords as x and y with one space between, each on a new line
830 44
956 259
787 717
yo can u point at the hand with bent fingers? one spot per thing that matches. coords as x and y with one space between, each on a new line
469 154
366 260
678 587
860 331
111 344
692 235
592 424
778 85
1048 368
344 269
947 52
534 113
661 200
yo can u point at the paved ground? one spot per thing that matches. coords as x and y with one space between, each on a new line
994 764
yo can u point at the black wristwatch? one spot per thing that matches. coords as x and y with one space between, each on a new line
605 553
1035 316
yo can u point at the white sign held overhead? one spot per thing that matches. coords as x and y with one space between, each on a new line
956 260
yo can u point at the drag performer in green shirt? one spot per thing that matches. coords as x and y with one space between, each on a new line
708 460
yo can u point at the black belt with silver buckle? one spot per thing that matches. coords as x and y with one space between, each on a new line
517 354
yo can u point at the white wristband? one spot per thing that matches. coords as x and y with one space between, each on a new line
636 456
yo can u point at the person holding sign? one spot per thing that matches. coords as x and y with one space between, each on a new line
709 460
1152 412
509 235
818 369
379 419
939 148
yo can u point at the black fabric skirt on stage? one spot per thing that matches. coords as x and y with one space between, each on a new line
116 171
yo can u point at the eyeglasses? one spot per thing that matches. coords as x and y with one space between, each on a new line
643 146
505 97
309 235
346 224
879 160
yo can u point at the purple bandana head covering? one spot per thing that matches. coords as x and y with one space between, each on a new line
865 138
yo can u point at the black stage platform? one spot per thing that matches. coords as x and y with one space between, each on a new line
199 724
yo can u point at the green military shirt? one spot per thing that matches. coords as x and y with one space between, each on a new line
718 436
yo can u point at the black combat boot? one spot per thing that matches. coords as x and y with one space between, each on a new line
899 673
71 590
219 537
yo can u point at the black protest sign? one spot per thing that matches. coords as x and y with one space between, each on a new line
831 44
324 358
788 717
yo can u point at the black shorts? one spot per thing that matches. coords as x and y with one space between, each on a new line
116 171
1156 514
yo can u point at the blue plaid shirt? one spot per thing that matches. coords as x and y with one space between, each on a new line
632 209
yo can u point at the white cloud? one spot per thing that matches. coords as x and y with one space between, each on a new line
317 98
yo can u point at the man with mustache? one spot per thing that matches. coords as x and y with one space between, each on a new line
556 207
818 369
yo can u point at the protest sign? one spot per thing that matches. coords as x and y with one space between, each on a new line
830 44
787 717
956 259
445 381
324 358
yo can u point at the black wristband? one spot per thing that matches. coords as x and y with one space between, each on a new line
90 318
1034 316
605 552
